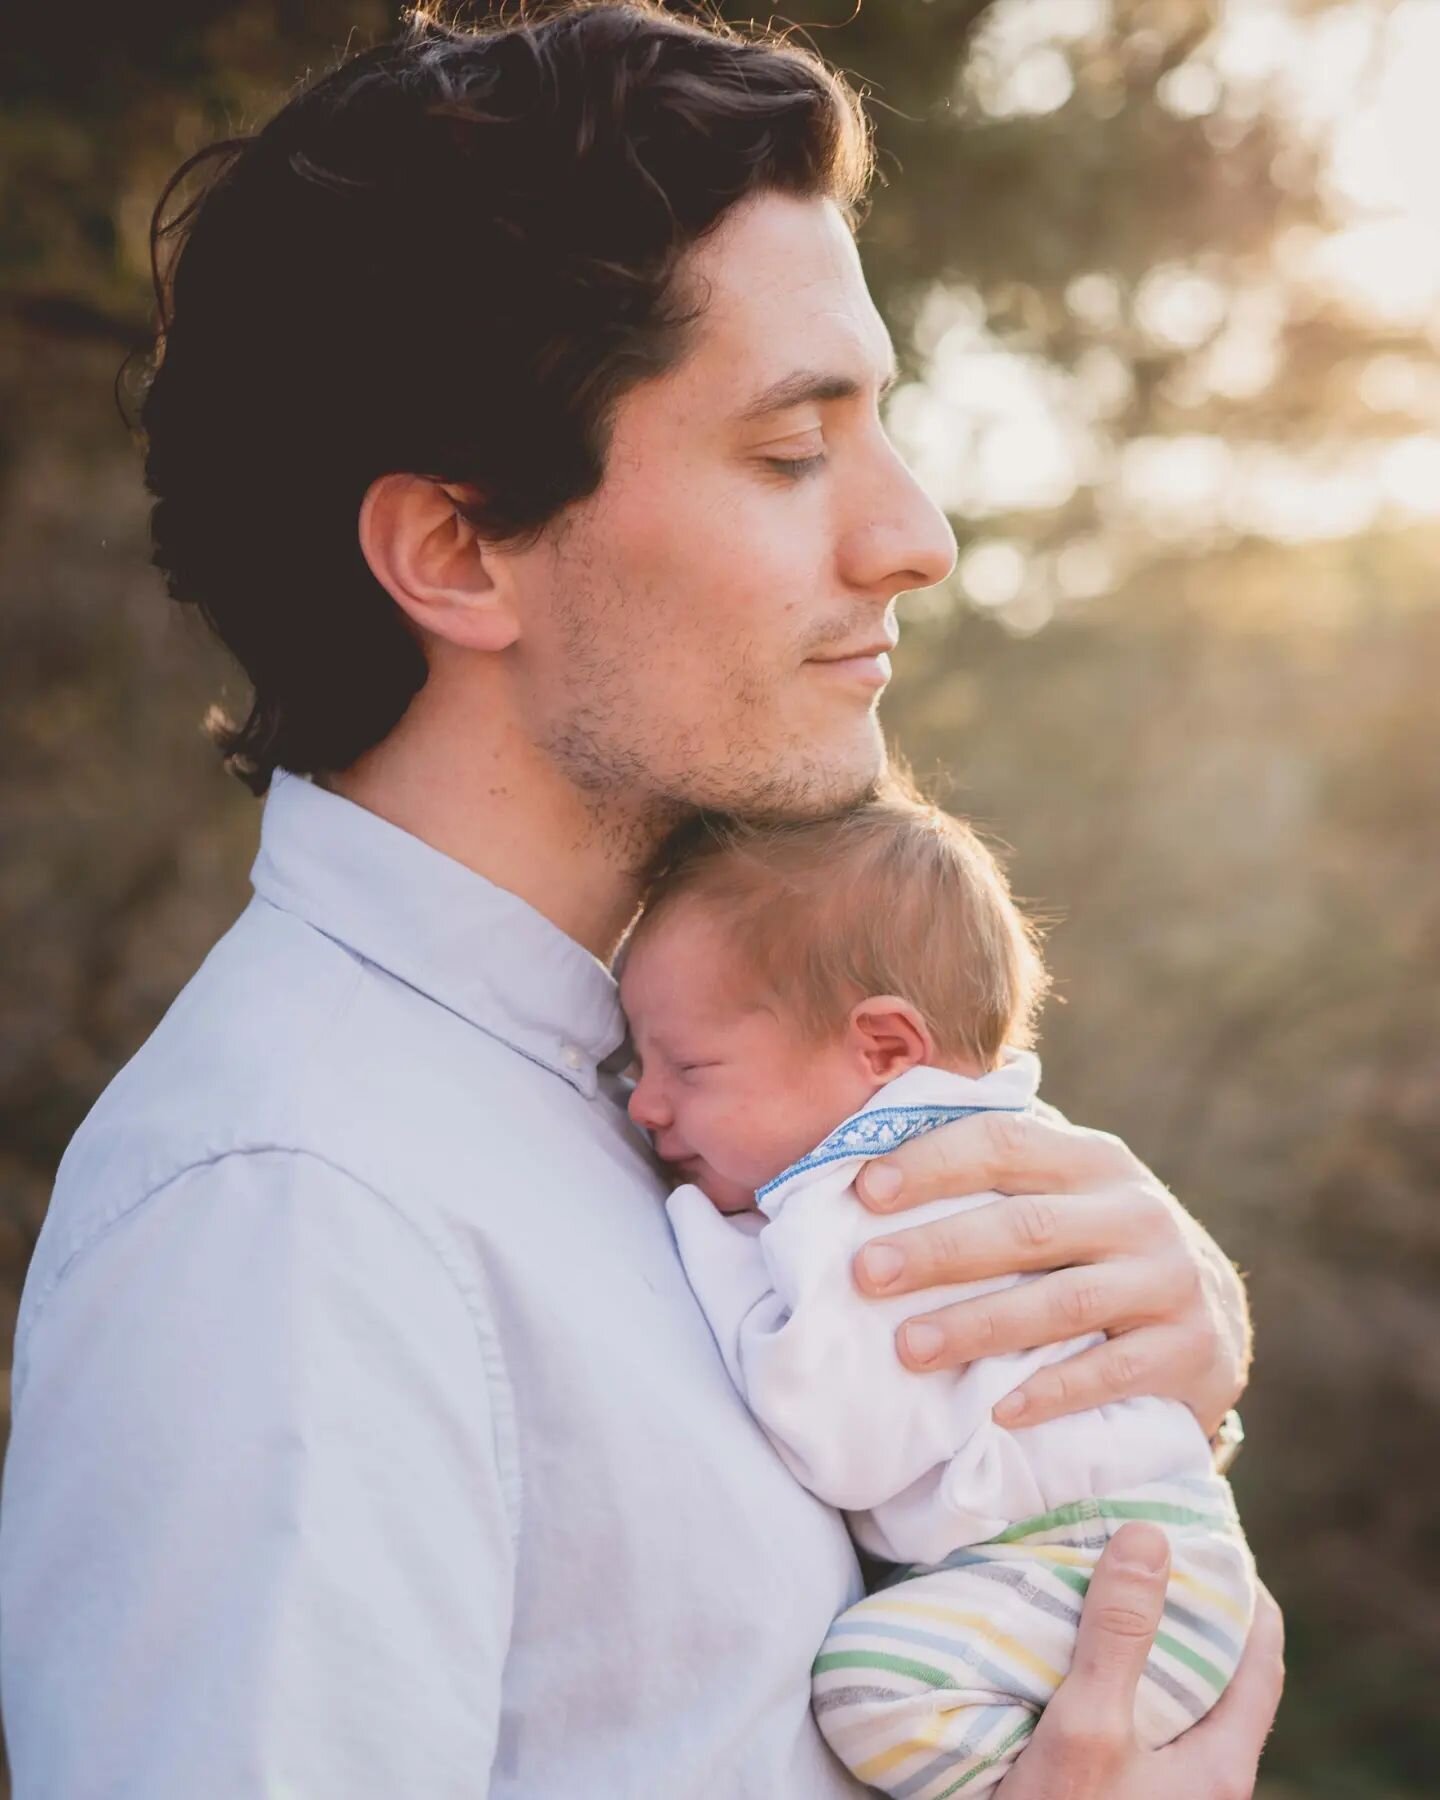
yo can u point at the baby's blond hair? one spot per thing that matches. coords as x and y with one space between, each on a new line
893 896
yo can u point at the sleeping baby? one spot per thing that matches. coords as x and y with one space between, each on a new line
802 997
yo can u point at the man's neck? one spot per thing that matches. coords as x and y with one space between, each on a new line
504 810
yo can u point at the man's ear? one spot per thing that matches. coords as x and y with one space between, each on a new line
434 565
889 1036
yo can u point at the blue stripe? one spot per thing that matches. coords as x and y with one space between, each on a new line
1028 1581
1204 1628
971 1745
958 1648
875 1132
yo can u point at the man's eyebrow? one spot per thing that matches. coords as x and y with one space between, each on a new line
804 385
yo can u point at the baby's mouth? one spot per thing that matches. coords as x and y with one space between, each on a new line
679 1167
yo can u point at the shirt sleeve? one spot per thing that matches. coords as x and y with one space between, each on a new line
728 1274
255 1536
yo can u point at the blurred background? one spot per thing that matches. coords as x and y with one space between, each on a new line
1165 279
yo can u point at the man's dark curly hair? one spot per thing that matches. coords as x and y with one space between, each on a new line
450 256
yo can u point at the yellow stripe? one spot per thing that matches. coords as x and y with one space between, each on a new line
1217 1597
885 1607
927 1738
1086 1559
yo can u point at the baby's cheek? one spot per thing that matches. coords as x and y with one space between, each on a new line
718 1132
772 1142
724 1135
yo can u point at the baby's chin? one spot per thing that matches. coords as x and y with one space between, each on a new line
724 1195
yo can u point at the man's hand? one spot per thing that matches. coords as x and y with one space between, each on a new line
1126 1259
1085 1748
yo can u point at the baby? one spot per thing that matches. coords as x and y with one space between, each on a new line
802 997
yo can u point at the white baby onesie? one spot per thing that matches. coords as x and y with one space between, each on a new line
915 1459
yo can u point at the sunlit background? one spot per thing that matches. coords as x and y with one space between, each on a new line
1001 435
1165 280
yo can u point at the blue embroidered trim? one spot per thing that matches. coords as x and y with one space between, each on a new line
874 1133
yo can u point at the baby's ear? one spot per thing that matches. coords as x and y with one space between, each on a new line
889 1035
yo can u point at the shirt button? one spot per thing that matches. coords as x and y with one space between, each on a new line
571 1057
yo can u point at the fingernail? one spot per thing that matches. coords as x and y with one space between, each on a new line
1142 1550
881 1263
882 1182
924 1342
1010 1408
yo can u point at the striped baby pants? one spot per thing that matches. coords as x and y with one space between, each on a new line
932 1685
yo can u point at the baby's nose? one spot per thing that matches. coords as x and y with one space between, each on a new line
646 1108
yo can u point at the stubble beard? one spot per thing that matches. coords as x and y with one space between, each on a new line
640 790
641 781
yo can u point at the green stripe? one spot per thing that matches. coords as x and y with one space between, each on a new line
1022 1730
880 1659
1084 1512
1216 1677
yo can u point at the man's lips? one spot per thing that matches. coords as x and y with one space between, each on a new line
868 662
873 668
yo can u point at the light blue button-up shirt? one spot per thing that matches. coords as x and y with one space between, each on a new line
368 1441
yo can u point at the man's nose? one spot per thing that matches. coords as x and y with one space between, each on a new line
905 541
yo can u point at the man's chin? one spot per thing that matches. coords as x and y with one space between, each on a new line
808 789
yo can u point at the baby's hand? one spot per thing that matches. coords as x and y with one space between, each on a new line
1122 1255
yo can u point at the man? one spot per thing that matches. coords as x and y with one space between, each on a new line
515 424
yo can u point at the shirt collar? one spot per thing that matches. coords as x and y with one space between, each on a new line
473 947
918 1100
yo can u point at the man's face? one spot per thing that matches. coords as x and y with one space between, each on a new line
678 620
